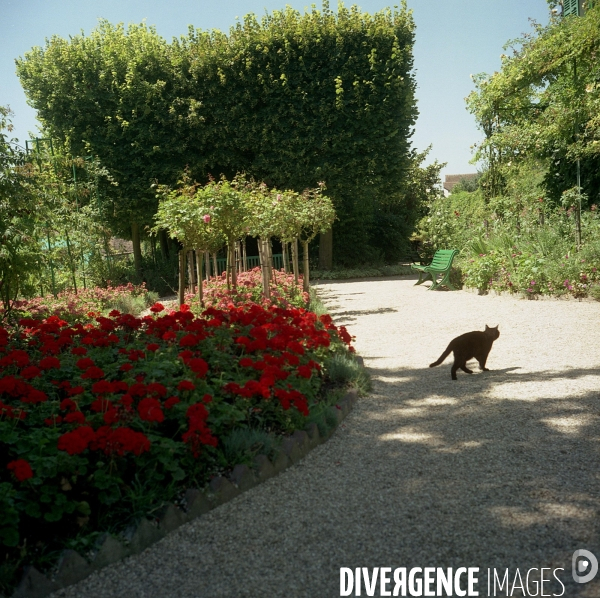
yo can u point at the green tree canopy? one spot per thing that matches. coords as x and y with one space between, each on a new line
291 99
544 104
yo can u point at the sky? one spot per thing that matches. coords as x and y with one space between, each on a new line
454 39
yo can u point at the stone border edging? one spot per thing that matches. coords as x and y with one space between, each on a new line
72 567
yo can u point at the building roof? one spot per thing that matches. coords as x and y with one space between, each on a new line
451 179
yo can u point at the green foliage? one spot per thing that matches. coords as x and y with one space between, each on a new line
243 444
343 369
540 260
290 99
20 253
397 215
364 272
544 104
113 94
453 221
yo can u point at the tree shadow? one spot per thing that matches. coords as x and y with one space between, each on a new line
499 481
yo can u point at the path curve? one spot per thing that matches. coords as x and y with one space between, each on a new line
498 469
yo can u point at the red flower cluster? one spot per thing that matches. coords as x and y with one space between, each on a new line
198 432
21 469
105 385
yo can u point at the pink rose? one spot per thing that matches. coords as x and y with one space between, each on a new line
206 218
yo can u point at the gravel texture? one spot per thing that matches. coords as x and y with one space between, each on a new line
497 469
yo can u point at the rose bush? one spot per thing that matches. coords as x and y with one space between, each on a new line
104 421
285 292
74 307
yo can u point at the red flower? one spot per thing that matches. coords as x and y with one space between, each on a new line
79 351
68 404
157 388
171 402
18 357
157 307
111 416
100 405
138 389
150 410
246 362
93 373
102 387
30 372
153 347
304 371
126 367
296 347
76 390
185 385
126 400
77 441
49 362
198 366
84 363
21 469
35 396
120 441
135 355
188 340
185 355
76 417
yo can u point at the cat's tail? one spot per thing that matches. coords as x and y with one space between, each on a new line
441 358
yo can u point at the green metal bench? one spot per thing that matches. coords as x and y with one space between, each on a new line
440 264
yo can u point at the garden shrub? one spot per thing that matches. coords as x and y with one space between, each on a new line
76 307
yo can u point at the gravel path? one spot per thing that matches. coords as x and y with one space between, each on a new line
498 469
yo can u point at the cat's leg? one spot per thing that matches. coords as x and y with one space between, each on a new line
453 370
482 361
464 368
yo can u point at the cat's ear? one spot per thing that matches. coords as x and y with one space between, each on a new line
487 327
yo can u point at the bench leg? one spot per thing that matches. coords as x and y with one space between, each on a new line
435 284
423 276
444 282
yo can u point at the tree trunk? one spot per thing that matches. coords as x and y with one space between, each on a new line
232 258
228 266
284 255
164 244
264 263
181 293
215 267
190 256
199 276
270 257
137 249
153 249
207 265
295 259
244 256
305 286
326 250
71 262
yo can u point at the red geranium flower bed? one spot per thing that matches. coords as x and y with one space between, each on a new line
102 421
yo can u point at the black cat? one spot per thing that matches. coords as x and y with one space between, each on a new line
467 346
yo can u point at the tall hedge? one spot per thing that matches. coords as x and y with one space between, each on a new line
292 99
